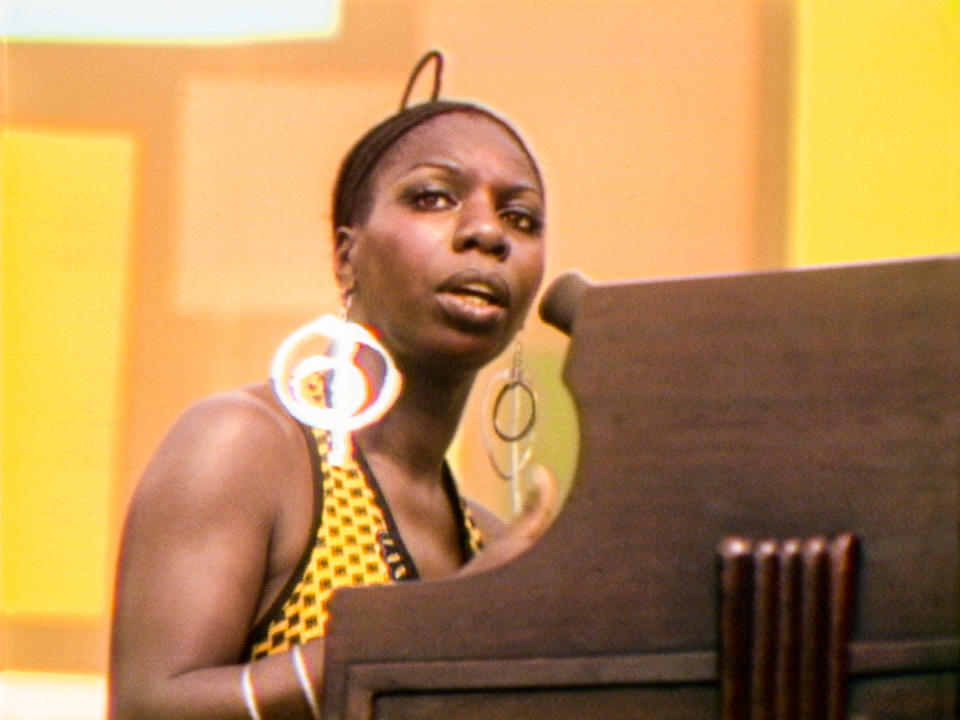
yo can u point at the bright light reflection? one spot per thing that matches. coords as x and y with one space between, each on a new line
167 20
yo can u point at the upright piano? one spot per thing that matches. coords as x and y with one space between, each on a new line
763 521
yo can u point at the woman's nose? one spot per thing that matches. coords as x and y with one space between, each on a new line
481 229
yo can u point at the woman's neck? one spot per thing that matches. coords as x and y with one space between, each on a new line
417 431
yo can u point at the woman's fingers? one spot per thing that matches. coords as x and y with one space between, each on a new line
538 510
539 505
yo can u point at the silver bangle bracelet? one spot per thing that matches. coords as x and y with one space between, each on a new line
303 677
249 695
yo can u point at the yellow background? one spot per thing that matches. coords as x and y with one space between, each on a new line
66 200
877 142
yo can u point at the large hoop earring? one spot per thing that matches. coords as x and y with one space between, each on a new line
317 376
508 422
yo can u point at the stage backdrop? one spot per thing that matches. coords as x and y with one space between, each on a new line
165 220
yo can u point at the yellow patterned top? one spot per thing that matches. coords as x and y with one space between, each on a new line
355 543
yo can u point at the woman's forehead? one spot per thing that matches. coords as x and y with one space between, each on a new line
458 138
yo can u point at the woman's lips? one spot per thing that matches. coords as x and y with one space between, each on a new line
481 284
475 297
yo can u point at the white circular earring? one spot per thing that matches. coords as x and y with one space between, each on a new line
317 377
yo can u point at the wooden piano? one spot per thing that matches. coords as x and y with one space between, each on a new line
763 521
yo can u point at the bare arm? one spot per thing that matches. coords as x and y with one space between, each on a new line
208 535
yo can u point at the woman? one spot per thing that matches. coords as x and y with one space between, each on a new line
438 225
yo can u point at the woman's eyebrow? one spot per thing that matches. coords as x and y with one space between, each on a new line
447 165
515 187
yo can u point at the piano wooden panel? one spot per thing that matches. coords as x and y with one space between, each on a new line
774 405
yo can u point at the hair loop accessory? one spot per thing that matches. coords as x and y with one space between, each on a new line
437 57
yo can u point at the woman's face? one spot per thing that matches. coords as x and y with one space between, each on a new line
450 255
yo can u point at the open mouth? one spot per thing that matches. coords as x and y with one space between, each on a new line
477 294
478 288
475 297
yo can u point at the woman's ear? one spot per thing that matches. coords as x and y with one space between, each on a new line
342 260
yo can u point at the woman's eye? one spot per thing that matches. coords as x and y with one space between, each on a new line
432 199
523 220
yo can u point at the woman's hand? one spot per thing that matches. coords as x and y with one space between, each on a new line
539 508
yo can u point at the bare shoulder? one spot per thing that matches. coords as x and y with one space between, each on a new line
210 527
490 525
223 447
248 413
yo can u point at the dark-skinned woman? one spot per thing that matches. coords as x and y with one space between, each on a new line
243 522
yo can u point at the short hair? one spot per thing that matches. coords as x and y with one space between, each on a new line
353 192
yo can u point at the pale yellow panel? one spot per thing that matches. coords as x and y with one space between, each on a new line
45 696
66 219
257 174
878 130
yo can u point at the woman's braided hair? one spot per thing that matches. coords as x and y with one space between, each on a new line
352 194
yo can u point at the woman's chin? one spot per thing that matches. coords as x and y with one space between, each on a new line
457 352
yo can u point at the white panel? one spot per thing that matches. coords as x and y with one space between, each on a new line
154 20
48 696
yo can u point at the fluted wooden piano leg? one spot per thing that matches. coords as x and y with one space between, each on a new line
843 564
787 670
785 616
766 585
813 629
736 599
